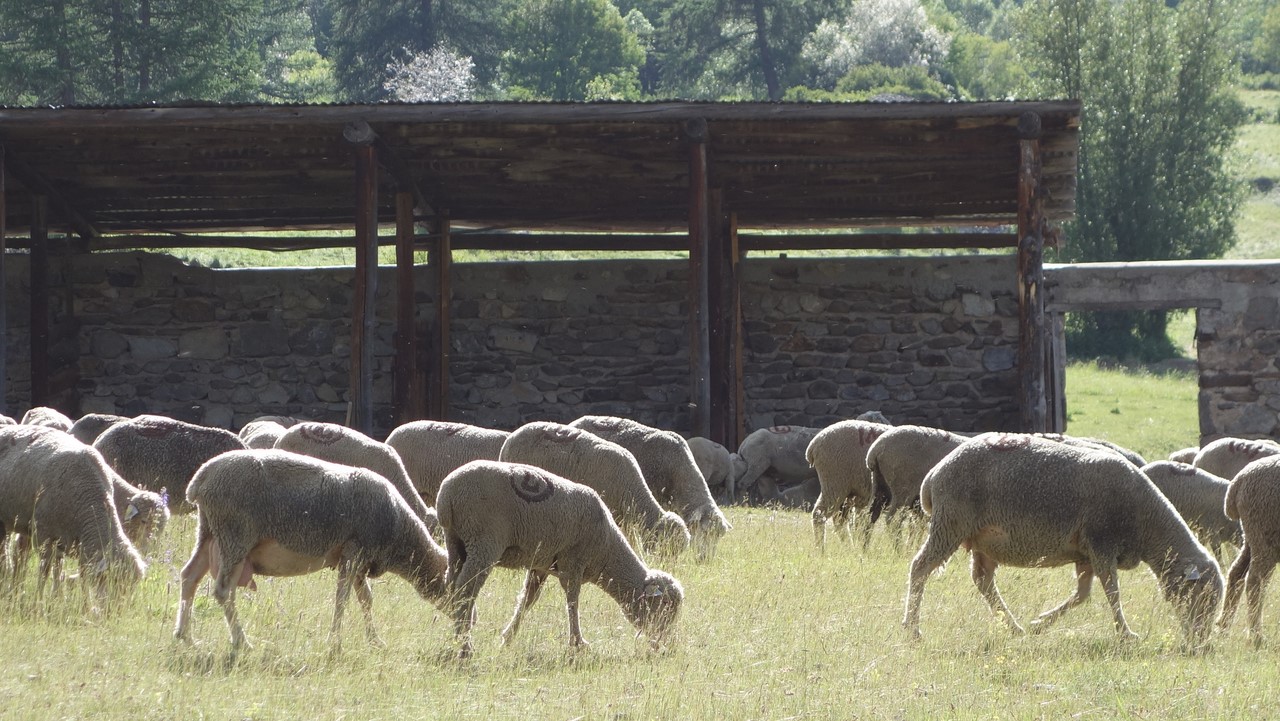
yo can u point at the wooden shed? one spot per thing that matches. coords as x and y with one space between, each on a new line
715 179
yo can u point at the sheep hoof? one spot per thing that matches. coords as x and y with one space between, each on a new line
1255 639
1127 635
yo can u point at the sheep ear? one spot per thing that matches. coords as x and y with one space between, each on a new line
653 590
130 512
1191 574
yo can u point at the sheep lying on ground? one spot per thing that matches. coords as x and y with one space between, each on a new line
670 472
1253 499
161 454
1185 455
899 460
719 467
839 456
262 434
1226 456
518 516
1018 500
605 467
431 450
88 427
47 417
1199 498
339 444
803 496
275 513
771 456
58 492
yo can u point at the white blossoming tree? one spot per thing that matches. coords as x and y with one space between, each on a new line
441 75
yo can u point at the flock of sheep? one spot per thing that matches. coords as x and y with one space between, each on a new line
587 502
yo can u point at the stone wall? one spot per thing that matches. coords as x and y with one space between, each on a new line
924 340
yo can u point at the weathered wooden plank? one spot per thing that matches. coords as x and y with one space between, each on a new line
442 260
718 320
699 253
407 400
738 426
4 292
39 295
1031 321
363 320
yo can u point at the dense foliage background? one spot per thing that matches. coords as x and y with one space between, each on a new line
1160 79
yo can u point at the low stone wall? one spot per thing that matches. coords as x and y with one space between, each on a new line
924 340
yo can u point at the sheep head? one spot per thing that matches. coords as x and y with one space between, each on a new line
655 605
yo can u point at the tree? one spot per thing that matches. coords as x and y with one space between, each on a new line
892 33
561 48
1158 122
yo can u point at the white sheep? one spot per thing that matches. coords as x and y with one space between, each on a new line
431 450
1198 496
1253 499
898 462
1185 455
1018 500
339 444
1225 457
276 513
58 492
519 516
161 454
46 417
720 468
838 454
88 427
671 473
605 467
771 456
7 420
802 496
1093 444
261 433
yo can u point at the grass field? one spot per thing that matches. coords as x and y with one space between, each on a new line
770 630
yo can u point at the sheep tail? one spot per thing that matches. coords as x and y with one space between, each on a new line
880 494
1229 504
926 496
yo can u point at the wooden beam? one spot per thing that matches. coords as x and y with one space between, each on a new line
363 320
39 269
407 389
1031 321
441 261
40 185
699 252
739 417
720 321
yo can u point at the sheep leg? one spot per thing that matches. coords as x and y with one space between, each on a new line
364 594
935 551
1256 582
532 589
231 567
571 581
1235 584
191 575
819 515
347 577
1084 584
983 571
841 521
50 557
1108 577
465 587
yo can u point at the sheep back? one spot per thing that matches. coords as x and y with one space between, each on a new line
88 427
1225 457
898 461
46 417
1199 497
432 449
162 454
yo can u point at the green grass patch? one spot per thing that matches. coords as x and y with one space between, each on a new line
771 630
1151 414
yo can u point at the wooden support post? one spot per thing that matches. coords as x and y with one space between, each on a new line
719 323
441 261
408 392
738 429
1056 372
1031 321
4 293
360 408
699 253
39 270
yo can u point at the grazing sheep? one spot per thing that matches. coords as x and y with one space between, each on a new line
1226 456
605 467
719 467
275 513
1093 444
339 444
1185 455
46 417
773 455
671 473
1253 498
431 450
839 456
1198 496
1018 500
519 516
898 462
88 427
261 434
58 492
161 454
